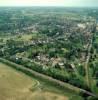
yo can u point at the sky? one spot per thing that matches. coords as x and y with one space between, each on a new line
65 3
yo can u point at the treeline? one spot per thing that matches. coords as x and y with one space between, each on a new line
52 72
87 95
38 75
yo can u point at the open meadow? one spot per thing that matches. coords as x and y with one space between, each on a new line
17 86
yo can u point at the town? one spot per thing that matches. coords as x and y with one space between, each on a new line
56 42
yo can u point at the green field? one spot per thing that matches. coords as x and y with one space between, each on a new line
17 86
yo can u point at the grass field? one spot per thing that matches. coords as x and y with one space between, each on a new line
15 85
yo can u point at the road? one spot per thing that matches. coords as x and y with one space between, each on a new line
87 63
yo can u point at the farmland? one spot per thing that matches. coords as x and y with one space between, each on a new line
15 85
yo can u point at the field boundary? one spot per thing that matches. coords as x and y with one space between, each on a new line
61 84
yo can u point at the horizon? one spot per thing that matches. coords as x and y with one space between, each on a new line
48 3
49 6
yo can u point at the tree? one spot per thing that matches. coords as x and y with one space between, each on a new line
81 70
